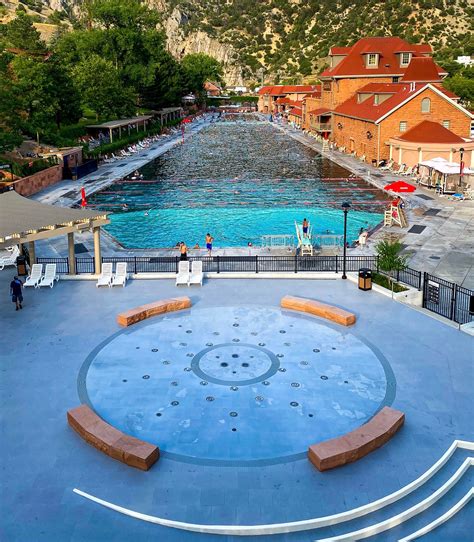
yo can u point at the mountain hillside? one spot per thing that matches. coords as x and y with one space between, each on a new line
288 40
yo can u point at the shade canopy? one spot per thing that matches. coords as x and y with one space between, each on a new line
400 186
24 220
445 167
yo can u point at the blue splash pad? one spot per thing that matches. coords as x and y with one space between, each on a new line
236 384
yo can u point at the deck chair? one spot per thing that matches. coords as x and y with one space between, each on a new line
183 273
105 278
400 170
9 257
196 273
408 172
121 275
387 166
35 275
49 276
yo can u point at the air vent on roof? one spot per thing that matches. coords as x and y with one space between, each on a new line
387 65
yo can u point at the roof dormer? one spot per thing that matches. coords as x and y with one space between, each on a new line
405 58
372 60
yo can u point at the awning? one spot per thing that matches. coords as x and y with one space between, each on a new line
445 167
321 111
23 220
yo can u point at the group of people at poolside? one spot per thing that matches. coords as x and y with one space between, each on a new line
183 248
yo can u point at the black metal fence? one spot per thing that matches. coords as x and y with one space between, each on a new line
440 296
448 299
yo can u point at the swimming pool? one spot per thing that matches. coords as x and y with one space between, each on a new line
236 384
238 181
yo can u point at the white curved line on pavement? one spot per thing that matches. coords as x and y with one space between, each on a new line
294 526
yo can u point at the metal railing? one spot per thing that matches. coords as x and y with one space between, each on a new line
439 296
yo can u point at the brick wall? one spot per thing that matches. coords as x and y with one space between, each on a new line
309 104
356 130
441 110
343 89
34 183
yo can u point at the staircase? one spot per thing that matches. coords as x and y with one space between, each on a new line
325 145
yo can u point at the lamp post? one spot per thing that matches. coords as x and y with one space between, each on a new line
345 207
461 165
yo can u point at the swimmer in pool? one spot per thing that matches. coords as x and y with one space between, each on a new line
209 240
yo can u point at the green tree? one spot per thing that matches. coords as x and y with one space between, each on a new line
21 34
101 88
389 258
199 68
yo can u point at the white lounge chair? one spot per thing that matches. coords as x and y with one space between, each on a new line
399 171
9 257
183 273
49 275
105 278
387 166
196 273
408 172
35 276
121 275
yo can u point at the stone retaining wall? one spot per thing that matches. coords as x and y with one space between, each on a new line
34 183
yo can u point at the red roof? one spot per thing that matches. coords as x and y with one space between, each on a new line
320 111
340 50
367 110
422 69
282 90
389 49
430 132
296 111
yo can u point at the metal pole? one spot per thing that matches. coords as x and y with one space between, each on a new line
461 154
344 276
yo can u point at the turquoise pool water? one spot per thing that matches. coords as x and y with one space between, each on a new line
238 181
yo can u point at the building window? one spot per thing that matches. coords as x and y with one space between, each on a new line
405 59
446 124
327 86
372 60
395 79
425 105
403 126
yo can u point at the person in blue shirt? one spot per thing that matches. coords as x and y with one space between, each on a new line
16 291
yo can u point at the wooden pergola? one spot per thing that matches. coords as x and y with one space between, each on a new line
24 221
121 124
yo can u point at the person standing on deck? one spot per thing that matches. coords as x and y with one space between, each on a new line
16 293
209 240
305 227
183 249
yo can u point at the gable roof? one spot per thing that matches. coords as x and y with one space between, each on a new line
388 49
422 69
430 132
282 90
296 111
399 93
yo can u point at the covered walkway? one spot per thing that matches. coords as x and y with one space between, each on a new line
24 221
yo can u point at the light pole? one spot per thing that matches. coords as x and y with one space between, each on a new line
345 207
461 165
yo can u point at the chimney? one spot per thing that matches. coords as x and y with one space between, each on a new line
412 86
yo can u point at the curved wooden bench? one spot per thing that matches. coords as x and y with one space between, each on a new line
358 443
143 312
329 312
95 431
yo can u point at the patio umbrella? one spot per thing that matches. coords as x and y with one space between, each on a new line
400 186
83 197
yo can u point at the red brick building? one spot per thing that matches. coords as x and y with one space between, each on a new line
364 123
268 95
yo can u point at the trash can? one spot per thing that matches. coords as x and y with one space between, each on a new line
21 269
365 279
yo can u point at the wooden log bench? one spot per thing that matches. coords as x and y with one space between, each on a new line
132 316
358 443
317 308
95 431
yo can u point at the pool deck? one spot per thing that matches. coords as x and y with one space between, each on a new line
444 248
44 346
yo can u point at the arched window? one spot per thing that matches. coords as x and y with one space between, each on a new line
425 105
